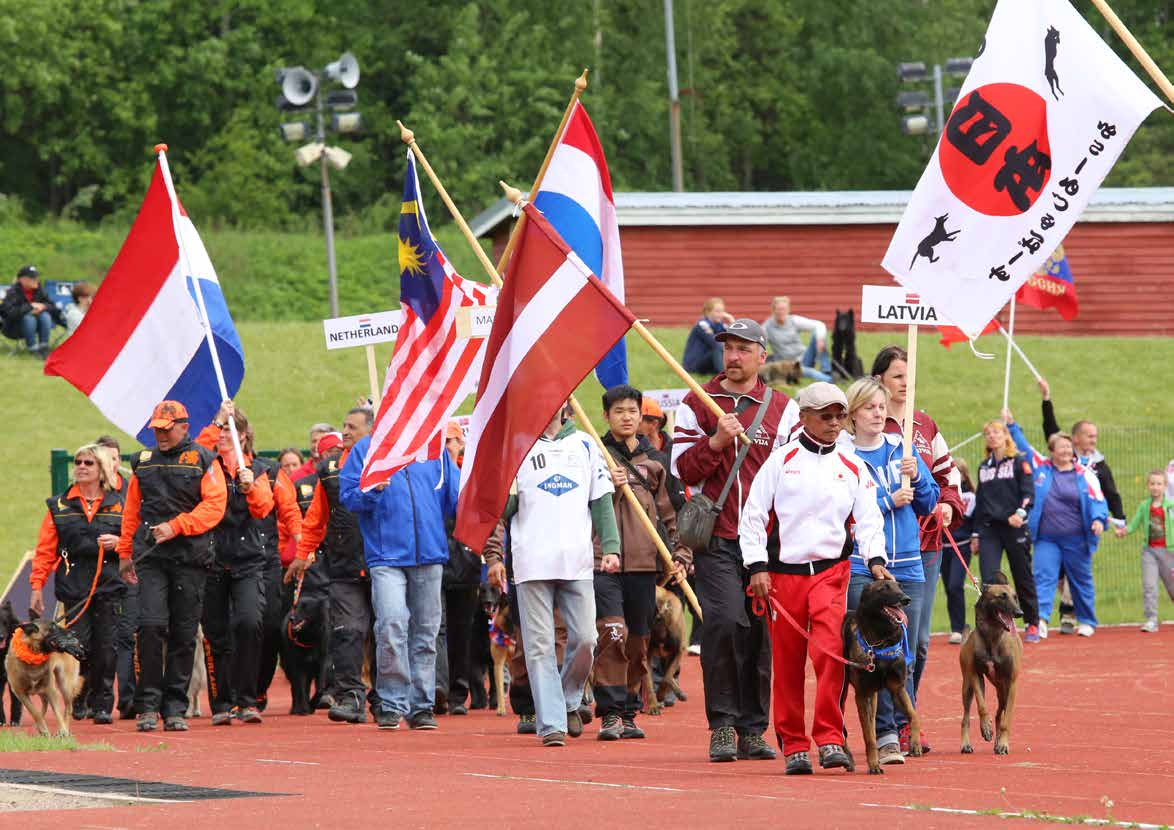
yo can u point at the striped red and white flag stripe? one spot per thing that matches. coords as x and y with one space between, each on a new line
432 371
554 322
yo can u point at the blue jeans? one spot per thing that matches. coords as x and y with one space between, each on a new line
1071 553
808 362
557 693
32 325
931 566
406 602
887 722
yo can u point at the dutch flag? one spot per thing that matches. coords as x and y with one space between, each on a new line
145 338
576 198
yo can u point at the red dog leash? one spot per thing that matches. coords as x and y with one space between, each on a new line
962 559
759 607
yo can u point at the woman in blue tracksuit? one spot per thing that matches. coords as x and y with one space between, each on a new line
900 506
1067 519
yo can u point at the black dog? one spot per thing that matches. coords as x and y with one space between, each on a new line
845 361
876 634
304 635
1051 47
8 623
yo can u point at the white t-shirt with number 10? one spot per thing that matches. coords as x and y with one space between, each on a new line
550 535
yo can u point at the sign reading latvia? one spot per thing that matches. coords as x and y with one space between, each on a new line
895 305
362 329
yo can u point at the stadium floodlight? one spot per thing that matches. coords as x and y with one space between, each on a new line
295 130
346 122
911 72
915 124
337 157
959 66
912 100
341 99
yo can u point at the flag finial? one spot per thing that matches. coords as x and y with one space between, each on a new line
512 193
160 148
405 135
581 81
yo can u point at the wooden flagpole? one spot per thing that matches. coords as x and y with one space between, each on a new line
408 137
1139 52
910 396
373 377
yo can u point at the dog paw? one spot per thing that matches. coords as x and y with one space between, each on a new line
1002 749
653 711
501 712
967 749
988 731
876 770
915 751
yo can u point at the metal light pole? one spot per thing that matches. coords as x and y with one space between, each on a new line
327 212
914 103
670 46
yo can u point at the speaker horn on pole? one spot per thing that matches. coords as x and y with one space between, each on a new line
298 85
345 70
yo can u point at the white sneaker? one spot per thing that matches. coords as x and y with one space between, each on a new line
695 650
1043 629
1150 627
1085 630
955 638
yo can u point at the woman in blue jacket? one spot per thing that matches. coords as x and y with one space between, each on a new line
1067 519
900 506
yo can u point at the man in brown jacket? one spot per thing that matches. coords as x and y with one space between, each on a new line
625 586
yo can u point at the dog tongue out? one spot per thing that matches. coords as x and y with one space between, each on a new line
897 614
1005 619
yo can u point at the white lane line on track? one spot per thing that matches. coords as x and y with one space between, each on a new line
292 763
607 784
1044 817
40 788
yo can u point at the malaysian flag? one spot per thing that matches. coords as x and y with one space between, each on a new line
432 370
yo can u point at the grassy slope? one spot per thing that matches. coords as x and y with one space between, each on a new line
292 381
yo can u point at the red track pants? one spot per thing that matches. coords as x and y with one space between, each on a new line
816 602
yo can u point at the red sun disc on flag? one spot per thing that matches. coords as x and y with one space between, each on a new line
995 155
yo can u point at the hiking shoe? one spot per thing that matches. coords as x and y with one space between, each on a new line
324 702
222 718
574 724
798 764
955 638
102 719
1043 629
832 756
175 724
554 739
250 714
348 708
1067 626
751 747
723 744
584 715
126 713
1031 634
422 720
262 702
1150 627
890 754
612 728
903 736
386 720
695 649
631 730
1085 630
459 709
147 722
527 725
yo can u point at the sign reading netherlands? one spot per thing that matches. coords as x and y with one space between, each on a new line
362 329
895 305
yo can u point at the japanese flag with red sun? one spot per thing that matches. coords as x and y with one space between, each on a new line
1044 113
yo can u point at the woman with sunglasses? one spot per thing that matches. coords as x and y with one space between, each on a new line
77 539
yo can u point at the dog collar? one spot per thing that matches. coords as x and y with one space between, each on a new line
892 652
24 651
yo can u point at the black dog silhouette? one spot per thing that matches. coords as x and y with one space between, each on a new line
938 235
1051 45
845 361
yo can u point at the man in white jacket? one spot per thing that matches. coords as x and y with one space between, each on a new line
815 487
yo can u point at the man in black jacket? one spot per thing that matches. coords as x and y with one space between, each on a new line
27 312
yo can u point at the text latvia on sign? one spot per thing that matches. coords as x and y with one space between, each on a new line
1044 113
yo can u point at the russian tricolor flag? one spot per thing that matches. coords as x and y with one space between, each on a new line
144 338
576 198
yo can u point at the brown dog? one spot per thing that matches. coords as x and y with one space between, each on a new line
43 660
992 651
501 647
787 372
876 635
668 642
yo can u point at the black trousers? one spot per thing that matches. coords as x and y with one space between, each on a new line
460 605
276 606
954 582
350 619
625 604
171 596
124 648
993 539
735 645
234 605
97 631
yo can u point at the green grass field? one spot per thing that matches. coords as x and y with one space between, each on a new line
291 381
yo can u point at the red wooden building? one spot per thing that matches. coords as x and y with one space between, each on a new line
819 248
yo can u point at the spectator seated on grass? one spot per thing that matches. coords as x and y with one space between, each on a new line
783 336
83 295
27 313
703 354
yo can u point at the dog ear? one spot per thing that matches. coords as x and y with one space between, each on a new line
998 578
30 628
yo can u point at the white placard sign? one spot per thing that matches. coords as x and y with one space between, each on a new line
362 329
475 321
669 399
894 305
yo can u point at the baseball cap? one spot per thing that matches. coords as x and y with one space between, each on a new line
29 271
821 394
328 442
744 329
453 430
651 409
167 413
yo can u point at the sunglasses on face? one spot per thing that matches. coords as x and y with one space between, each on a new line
84 462
828 417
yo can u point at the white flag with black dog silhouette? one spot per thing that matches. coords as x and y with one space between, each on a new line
1044 113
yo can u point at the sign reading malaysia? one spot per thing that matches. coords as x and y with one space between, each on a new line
362 329
1044 113
896 306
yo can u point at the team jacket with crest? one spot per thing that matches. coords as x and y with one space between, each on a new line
1004 486
182 486
813 490
68 542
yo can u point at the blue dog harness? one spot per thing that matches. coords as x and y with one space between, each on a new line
892 652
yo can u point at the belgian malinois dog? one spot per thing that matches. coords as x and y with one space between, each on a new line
668 641
992 651
876 634
44 659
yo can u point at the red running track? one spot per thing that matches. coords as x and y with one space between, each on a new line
1093 737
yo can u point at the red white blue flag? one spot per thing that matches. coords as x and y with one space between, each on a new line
144 338
1052 287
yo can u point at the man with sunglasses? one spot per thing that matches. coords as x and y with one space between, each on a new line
174 500
735 647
